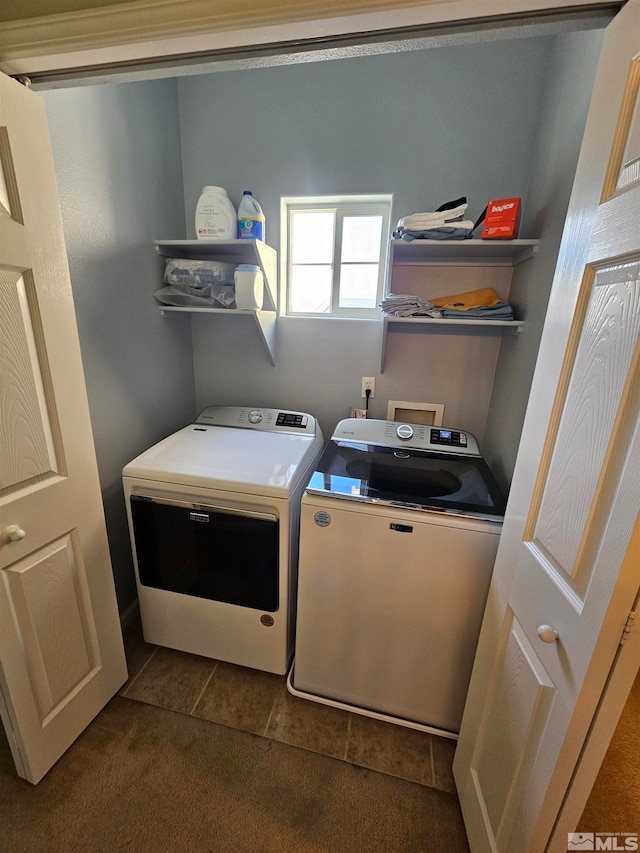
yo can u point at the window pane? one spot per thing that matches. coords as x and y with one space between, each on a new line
358 285
312 237
361 237
310 290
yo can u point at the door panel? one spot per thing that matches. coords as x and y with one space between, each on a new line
27 448
52 613
61 651
588 433
523 693
574 500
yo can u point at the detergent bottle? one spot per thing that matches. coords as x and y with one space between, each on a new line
215 215
250 218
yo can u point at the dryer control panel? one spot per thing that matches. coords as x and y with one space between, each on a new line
272 420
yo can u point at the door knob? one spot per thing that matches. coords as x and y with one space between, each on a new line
12 533
547 634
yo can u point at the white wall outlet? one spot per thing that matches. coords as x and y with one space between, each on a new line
369 382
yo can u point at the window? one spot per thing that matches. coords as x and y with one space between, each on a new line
335 255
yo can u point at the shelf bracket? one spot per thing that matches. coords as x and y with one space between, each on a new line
525 255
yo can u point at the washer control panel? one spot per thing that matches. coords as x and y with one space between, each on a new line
275 420
418 436
449 438
404 432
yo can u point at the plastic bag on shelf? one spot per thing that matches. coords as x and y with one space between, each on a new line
210 296
197 273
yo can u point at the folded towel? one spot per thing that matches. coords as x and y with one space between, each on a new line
486 296
463 230
499 311
407 305
420 221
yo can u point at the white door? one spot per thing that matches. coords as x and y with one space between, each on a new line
575 496
61 653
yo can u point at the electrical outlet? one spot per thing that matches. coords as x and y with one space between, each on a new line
369 382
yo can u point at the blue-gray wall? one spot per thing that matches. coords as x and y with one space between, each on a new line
483 120
118 165
427 126
567 95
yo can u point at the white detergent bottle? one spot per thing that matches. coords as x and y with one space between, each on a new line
250 218
215 215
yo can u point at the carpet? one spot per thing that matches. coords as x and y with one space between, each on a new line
142 778
614 802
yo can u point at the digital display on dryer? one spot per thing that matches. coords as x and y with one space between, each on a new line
291 419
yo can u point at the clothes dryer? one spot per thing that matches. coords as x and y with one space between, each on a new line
214 514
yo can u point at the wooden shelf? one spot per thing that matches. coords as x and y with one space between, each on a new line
503 252
232 252
453 253
430 325
265 322
512 325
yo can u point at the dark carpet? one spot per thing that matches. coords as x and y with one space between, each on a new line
141 778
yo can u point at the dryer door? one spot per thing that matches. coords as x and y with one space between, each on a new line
211 552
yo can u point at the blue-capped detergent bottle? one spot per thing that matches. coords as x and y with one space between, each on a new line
250 218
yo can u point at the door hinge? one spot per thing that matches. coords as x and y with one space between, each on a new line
627 627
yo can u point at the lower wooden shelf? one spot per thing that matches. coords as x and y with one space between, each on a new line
265 322
431 325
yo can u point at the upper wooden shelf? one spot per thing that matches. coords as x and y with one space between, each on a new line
508 252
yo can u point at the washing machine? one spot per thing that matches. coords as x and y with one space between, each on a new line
399 530
214 513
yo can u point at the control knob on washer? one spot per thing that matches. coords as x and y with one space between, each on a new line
404 432
255 416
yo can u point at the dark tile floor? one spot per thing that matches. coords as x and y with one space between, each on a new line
259 702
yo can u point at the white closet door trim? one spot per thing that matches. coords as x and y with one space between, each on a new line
137 31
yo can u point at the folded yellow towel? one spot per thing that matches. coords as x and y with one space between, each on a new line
482 298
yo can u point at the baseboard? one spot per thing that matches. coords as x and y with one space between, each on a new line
130 615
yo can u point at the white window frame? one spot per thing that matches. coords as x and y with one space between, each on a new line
352 205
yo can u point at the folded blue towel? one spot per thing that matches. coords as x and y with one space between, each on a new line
444 232
499 311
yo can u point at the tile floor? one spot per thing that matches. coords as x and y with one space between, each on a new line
259 702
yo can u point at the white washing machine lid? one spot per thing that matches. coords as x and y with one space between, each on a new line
256 462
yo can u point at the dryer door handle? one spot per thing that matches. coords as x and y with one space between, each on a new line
199 507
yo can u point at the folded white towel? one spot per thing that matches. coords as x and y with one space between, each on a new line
452 226
430 219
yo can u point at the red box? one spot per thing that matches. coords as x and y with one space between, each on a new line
502 221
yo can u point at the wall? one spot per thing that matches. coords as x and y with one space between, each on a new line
117 155
427 126
567 95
